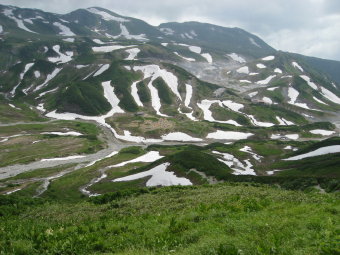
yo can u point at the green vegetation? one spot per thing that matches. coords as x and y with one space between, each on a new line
143 92
214 219
164 92
85 98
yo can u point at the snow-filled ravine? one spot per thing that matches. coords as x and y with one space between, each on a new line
236 165
158 177
317 152
149 157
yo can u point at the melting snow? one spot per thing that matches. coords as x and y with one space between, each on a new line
232 105
20 23
132 53
187 59
179 136
293 95
236 165
27 67
267 100
259 123
284 122
243 69
102 69
252 94
261 66
249 150
106 16
188 95
309 82
149 157
71 40
64 30
317 152
63 58
159 177
267 80
277 70
253 42
208 57
228 135
272 89
207 114
13 106
319 101
268 58
296 65
110 48
195 49
322 132
36 74
154 72
134 94
237 58
330 95
49 78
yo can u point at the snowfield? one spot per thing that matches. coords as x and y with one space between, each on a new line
309 82
159 177
322 132
243 69
261 66
110 48
330 95
228 135
207 114
317 152
269 58
64 30
237 58
179 136
134 94
297 66
149 157
266 81
101 70
106 16
48 79
62 58
132 53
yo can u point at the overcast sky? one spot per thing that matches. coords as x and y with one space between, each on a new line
309 27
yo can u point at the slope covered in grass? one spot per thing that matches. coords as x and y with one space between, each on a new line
211 219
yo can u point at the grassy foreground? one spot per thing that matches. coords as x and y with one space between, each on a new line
209 219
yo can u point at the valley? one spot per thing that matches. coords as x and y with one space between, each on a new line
105 118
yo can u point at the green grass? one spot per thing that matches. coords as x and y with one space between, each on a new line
211 219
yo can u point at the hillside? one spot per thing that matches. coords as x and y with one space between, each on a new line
217 219
95 102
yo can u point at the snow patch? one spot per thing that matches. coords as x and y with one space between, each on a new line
330 95
261 66
228 135
309 82
101 70
134 94
149 157
20 23
185 58
277 70
269 58
296 65
179 136
159 177
64 30
322 132
243 69
208 57
132 53
106 16
266 81
62 58
62 159
48 79
110 48
237 58
317 152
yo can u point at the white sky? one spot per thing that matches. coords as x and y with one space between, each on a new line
309 27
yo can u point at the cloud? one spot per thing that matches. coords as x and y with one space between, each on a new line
306 26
